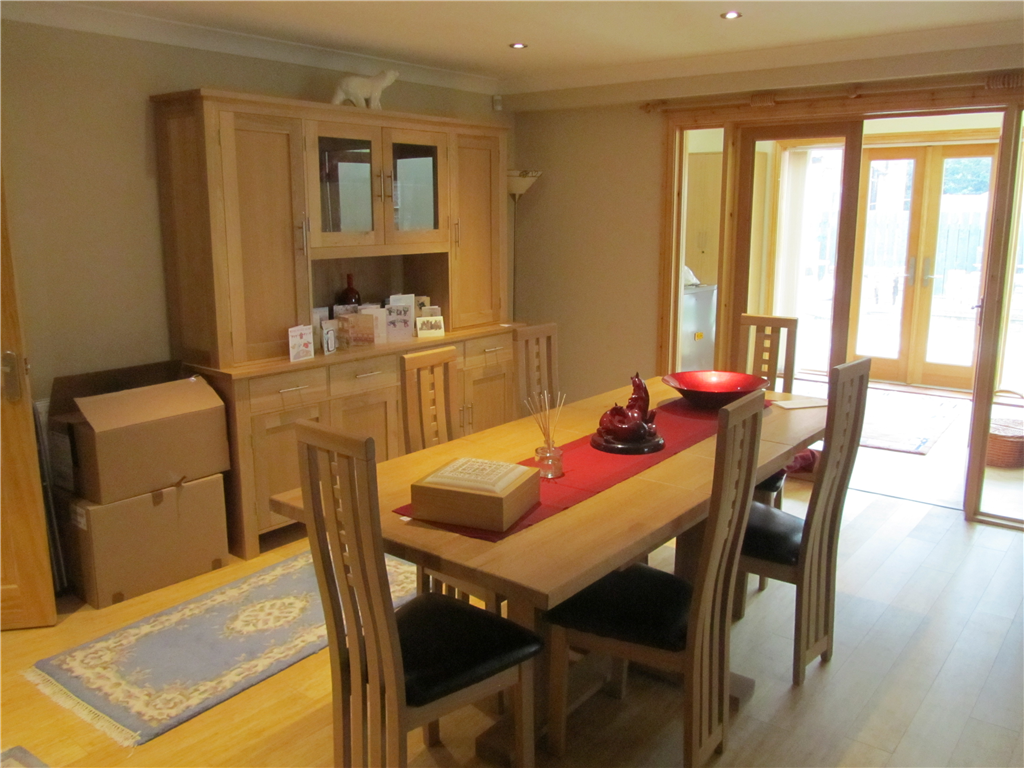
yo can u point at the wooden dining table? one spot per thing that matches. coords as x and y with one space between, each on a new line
540 566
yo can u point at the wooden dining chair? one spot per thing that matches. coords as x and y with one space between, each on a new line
762 338
393 671
536 362
769 334
803 552
429 389
658 619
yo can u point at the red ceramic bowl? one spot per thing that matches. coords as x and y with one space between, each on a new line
713 389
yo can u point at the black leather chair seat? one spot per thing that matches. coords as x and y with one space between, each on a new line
774 483
448 645
638 605
773 535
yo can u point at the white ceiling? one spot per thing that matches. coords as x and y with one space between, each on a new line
571 44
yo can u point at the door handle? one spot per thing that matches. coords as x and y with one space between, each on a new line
11 376
928 265
911 269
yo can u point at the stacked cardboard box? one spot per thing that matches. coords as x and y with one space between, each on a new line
137 454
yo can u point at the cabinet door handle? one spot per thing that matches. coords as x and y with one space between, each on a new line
458 233
386 182
11 377
293 389
470 407
371 373
493 349
462 416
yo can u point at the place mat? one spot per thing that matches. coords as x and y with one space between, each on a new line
589 471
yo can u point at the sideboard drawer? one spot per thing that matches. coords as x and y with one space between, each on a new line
287 390
489 350
364 375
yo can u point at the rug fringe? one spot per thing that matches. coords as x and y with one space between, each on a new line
125 737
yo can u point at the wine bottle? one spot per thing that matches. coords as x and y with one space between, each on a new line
349 294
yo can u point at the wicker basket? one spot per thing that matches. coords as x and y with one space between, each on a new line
1005 444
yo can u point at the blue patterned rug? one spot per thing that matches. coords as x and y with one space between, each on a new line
144 679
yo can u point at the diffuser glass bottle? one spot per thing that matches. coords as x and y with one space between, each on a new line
349 294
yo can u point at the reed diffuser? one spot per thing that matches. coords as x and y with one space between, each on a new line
546 410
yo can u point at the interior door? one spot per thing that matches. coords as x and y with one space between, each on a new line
918 267
26 582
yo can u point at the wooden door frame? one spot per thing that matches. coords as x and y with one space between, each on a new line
1001 91
734 268
996 296
919 155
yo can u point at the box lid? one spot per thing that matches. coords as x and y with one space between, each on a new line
157 401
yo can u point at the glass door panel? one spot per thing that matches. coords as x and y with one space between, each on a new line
343 172
955 277
885 257
415 186
805 248
346 185
947 313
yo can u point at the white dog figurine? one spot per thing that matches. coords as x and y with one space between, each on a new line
360 90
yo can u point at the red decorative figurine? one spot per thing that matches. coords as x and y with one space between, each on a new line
629 430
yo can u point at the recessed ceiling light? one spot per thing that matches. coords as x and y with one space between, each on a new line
517 45
731 15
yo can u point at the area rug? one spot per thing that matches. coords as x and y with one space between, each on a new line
19 757
907 422
140 681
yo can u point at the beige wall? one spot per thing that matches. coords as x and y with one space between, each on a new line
80 178
588 239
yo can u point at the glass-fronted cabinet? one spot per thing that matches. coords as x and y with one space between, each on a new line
376 187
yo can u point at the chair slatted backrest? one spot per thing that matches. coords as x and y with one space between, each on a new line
339 490
739 435
536 361
847 401
768 342
429 388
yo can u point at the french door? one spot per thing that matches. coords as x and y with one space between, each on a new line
918 268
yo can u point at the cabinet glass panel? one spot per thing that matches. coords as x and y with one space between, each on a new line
346 185
415 186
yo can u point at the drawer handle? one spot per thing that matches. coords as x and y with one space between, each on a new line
493 349
371 373
293 389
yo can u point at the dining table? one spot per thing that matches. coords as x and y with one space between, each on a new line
539 565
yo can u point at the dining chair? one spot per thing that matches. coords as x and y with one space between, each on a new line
769 334
396 670
803 552
429 388
658 619
536 362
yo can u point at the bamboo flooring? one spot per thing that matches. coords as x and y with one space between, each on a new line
927 671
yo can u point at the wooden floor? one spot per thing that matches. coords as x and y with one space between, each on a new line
927 672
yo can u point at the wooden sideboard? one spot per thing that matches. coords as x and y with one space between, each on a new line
266 205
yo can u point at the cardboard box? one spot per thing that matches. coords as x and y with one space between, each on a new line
117 443
491 511
118 551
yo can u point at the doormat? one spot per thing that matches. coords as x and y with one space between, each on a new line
907 422
144 679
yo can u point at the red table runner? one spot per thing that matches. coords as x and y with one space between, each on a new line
589 471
